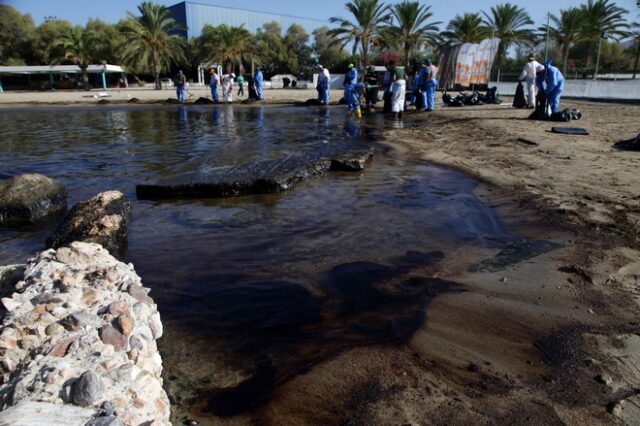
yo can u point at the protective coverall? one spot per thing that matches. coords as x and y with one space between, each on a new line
324 82
258 80
428 99
350 93
213 84
429 87
529 75
180 81
554 82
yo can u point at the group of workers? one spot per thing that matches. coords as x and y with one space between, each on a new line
394 86
226 81
546 78
227 85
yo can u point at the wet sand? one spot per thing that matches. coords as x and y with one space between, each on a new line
147 95
550 339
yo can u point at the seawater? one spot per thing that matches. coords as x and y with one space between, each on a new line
255 289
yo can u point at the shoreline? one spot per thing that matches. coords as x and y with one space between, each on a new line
519 340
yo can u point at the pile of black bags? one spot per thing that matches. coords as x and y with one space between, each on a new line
543 111
475 98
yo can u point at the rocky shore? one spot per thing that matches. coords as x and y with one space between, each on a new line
78 341
78 333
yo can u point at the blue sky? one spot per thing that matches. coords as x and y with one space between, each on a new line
78 12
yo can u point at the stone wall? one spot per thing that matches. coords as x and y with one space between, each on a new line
78 342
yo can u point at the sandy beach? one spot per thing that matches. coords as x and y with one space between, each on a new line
542 335
145 95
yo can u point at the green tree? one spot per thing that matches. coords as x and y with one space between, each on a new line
17 33
507 22
412 28
296 41
326 49
109 40
370 18
225 45
565 32
45 49
467 28
271 52
79 47
150 40
635 48
599 17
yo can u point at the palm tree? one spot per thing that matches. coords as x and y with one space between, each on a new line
566 31
599 17
467 28
635 34
150 42
227 45
507 22
371 17
78 45
412 29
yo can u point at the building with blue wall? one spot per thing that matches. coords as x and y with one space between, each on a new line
194 16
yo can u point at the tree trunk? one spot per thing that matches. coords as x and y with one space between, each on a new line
498 60
85 78
565 59
156 71
407 49
364 52
635 64
589 54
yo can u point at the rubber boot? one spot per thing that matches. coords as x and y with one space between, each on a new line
358 113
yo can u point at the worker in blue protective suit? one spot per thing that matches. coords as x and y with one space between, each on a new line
351 97
258 79
213 84
553 84
431 85
180 80
324 83
427 99
427 83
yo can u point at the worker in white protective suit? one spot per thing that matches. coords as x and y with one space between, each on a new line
529 75
227 87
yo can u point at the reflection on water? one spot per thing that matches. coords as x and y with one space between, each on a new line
255 289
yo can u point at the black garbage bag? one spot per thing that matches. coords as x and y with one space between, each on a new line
418 102
448 100
632 144
543 110
519 100
563 115
252 89
472 99
386 97
574 113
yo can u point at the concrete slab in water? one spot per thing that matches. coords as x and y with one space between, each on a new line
256 178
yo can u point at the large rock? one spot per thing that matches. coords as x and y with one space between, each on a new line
55 372
30 197
9 276
256 178
104 220
88 389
